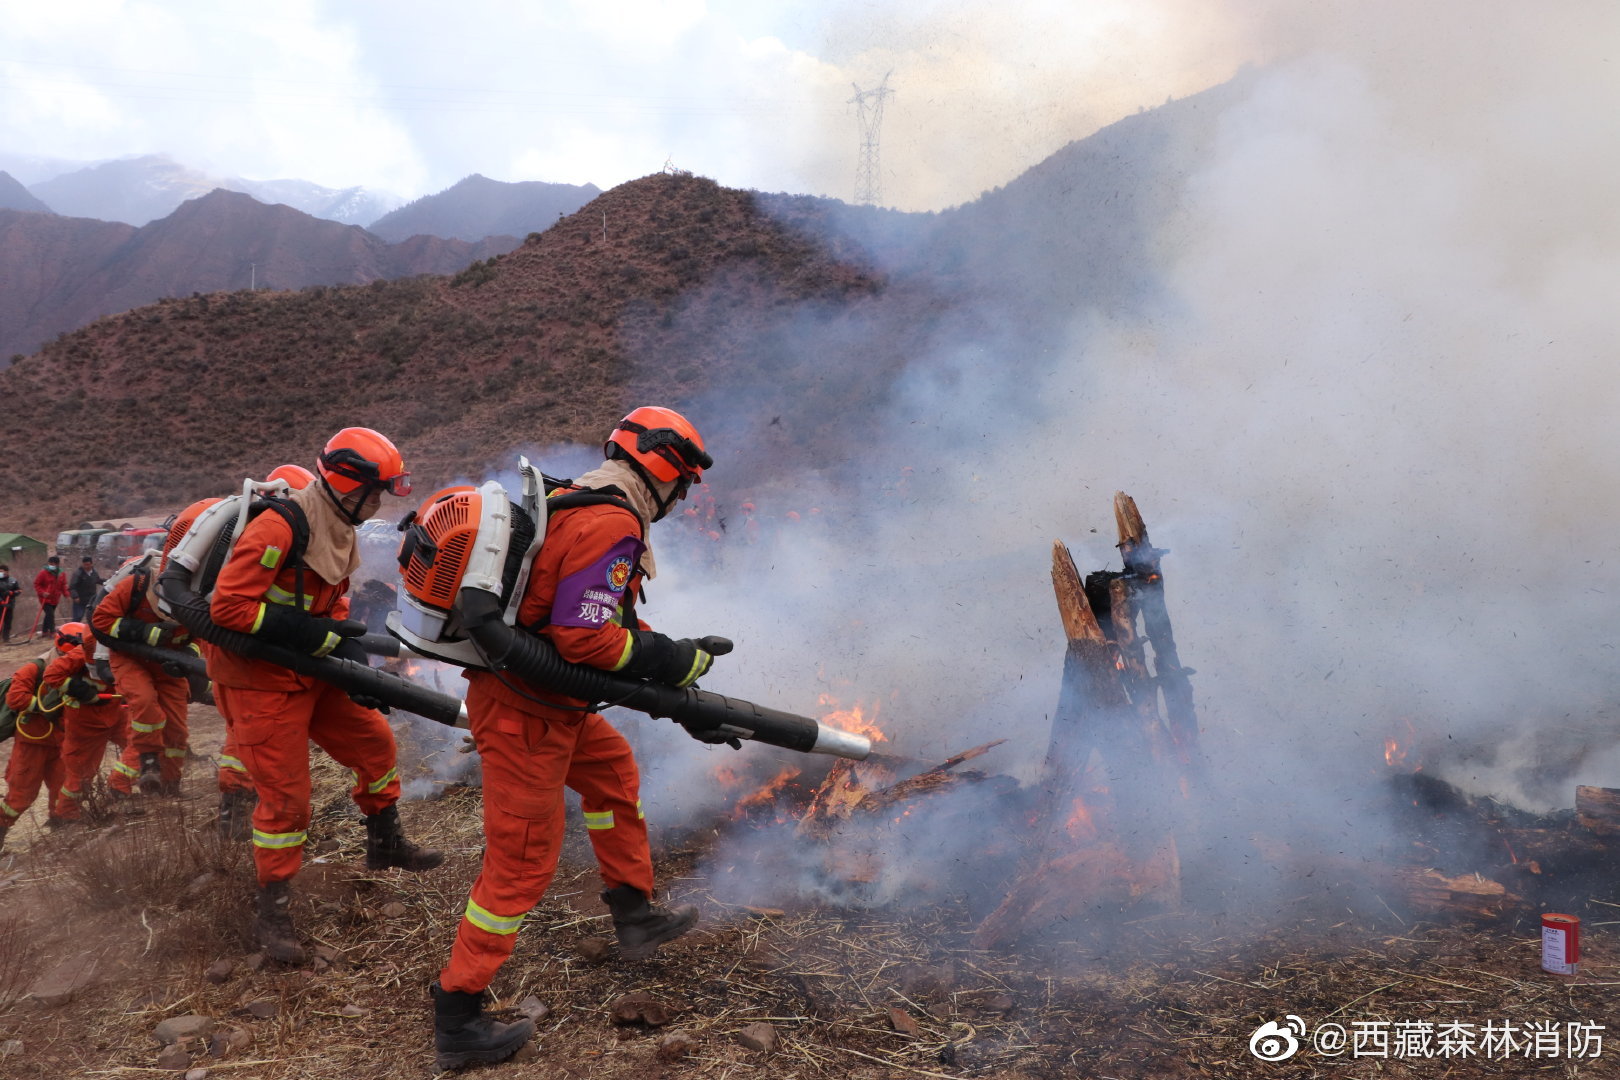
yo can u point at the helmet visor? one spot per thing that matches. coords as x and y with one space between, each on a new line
399 485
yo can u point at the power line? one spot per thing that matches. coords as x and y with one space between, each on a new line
869 114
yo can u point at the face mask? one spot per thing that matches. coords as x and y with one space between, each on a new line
54 569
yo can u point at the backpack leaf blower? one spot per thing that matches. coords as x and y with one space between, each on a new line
465 560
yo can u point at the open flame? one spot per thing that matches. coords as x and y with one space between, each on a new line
1394 753
1396 750
854 719
1080 825
766 793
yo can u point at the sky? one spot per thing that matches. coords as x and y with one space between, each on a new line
404 98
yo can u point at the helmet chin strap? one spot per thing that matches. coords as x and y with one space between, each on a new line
351 516
664 504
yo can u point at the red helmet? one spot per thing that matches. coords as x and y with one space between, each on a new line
294 476
661 441
359 457
72 635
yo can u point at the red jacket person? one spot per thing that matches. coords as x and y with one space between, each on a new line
296 599
584 582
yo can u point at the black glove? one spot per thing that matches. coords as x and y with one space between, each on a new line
365 701
675 663
81 691
312 634
712 736
160 635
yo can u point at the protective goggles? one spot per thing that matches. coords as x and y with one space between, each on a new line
349 463
687 456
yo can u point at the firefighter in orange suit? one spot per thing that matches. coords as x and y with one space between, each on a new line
92 717
36 753
296 599
236 795
581 595
157 701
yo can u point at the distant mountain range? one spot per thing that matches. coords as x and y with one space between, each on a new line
784 322
13 196
142 189
58 273
478 207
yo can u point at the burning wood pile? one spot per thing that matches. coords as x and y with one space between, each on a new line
1123 792
1124 711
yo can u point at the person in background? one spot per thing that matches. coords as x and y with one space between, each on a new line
50 587
10 589
82 586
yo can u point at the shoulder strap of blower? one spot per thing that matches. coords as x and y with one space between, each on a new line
577 497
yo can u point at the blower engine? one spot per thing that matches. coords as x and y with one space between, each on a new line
465 560
465 538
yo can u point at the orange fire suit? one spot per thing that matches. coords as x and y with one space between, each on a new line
580 595
155 699
88 728
233 775
36 752
275 712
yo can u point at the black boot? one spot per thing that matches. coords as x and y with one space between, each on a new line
274 926
236 814
463 1035
151 779
643 926
386 846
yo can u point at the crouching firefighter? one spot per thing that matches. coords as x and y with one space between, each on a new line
582 586
285 582
36 756
157 701
93 717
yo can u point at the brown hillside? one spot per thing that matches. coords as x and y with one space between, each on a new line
62 272
670 274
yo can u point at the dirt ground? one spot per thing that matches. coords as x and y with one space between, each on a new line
152 901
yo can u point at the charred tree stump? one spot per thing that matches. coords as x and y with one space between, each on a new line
1117 772
1141 560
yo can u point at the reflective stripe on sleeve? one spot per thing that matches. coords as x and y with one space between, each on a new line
602 819
258 620
487 920
639 815
277 595
279 840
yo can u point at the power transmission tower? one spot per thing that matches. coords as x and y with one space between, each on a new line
869 113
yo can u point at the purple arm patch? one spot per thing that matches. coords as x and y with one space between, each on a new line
590 597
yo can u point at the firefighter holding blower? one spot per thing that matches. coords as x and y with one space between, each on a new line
582 591
286 582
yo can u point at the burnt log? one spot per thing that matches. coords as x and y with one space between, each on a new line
1598 809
